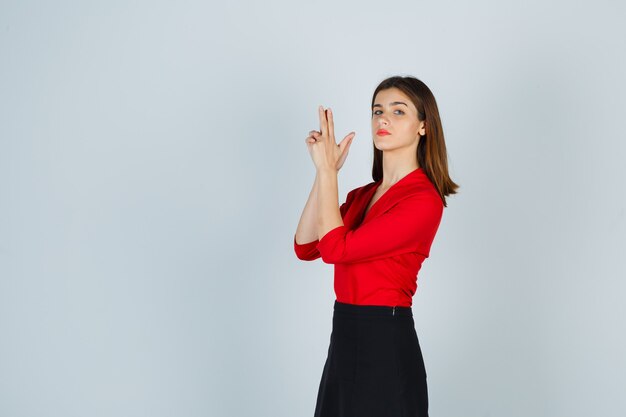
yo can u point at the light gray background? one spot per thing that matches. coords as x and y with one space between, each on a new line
153 170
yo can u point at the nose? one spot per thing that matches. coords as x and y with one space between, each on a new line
382 121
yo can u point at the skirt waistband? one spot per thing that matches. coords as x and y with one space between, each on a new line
371 310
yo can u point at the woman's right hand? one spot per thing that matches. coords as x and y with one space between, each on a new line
314 134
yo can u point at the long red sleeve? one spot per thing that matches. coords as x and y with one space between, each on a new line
409 226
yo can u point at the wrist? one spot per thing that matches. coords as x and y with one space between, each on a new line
327 170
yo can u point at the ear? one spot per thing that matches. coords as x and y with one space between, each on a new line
422 128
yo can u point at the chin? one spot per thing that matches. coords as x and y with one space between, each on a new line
382 146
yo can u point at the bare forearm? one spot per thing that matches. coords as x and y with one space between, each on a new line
307 227
328 214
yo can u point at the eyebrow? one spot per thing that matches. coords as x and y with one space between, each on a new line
391 104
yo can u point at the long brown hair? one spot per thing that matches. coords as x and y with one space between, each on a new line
431 150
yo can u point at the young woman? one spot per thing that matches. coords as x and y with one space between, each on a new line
377 240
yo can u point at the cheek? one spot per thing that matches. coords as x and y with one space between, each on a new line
412 129
409 132
407 128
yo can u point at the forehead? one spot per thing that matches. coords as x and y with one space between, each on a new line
391 95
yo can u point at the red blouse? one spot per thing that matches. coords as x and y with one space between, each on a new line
377 257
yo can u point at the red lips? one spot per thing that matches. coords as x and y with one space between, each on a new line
382 132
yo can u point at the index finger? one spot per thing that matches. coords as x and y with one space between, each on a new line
323 121
331 126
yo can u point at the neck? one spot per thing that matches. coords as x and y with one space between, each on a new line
397 166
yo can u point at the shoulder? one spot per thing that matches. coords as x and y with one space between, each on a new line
419 190
419 196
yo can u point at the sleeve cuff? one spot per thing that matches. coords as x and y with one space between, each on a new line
304 250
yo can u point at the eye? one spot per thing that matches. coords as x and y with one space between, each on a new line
376 112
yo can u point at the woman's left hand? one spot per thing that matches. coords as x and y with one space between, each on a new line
325 152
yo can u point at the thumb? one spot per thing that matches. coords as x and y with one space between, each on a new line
347 140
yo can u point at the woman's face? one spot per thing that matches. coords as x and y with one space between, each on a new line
395 113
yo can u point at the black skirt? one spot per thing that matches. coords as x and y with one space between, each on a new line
374 366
